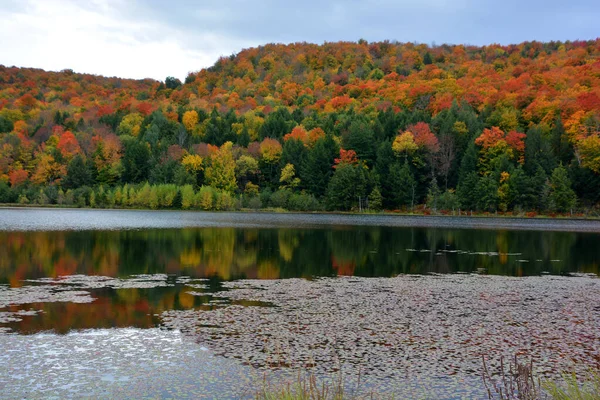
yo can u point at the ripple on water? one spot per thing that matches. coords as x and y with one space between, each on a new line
117 363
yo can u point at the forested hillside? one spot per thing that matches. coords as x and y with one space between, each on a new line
302 126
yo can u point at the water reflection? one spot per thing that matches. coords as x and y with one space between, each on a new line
223 254
234 253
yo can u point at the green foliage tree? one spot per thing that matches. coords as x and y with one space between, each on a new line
487 194
562 196
346 186
78 174
403 185
375 200
317 168
136 162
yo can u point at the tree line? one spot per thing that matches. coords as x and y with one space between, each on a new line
339 161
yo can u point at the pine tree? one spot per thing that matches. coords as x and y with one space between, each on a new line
562 196
403 184
375 200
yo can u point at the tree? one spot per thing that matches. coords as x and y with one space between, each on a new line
288 179
427 60
403 185
5 125
423 137
375 200
433 194
220 174
68 145
270 154
172 83
360 139
347 184
445 157
190 120
589 152
246 168
317 167
562 197
467 191
47 170
78 174
404 144
136 162
131 124
487 194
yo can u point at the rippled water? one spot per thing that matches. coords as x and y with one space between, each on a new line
416 301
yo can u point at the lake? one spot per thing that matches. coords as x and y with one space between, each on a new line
127 303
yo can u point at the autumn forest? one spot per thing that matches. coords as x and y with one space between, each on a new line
338 126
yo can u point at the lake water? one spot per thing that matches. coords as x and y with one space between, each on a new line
110 303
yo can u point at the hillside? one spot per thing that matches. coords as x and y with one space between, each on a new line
307 126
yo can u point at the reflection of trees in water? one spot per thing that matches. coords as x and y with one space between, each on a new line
270 253
228 253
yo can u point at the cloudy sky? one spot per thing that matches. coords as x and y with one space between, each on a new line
159 38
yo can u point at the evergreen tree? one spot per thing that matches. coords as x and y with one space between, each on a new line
136 162
317 166
469 162
385 159
375 200
433 194
562 196
487 194
467 191
403 184
347 184
541 189
360 138
427 60
78 174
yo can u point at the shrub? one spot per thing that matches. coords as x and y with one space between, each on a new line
255 203
204 198
303 202
280 198
187 197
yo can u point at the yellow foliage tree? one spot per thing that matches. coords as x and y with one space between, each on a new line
288 177
192 163
220 174
190 120
589 152
47 170
404 144
131 124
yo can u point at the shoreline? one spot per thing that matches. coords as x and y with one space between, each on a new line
29 218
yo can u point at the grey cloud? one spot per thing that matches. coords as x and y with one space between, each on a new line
442 21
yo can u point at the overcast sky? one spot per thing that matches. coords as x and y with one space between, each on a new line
159 38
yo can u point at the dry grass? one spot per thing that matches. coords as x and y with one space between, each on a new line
307 386
517 382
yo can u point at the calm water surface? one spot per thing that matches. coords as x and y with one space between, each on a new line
68 271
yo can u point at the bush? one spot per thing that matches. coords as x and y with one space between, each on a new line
166 194
224 201
153 198
187 197
280 198
265 196
255 203
448 201
204 199
6 194
69 198
303 202
81 196
51 193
